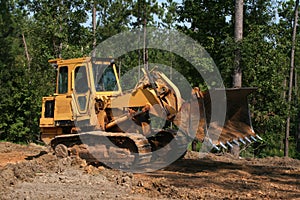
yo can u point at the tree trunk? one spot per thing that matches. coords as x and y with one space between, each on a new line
237 73
60 29
145 53
26 50
298 134
94 26
287 132
94 30
238 36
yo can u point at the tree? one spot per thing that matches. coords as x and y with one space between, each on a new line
206 22
264 51
18 99
291 77
61 26
238 36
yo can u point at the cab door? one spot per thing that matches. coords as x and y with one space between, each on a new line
63 111
83 98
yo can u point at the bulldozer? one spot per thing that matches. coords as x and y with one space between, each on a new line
91 117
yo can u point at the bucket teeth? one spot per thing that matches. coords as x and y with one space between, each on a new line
217 148
253 138
236 142
259 137
242 141
222 145
246 138
228 143
214 146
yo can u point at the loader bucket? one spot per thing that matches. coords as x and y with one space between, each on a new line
237 125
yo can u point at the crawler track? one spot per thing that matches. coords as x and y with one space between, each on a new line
126 151
116 150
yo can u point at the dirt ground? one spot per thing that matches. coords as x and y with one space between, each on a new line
29 172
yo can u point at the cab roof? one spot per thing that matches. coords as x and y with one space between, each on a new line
60 61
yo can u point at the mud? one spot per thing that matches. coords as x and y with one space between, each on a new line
32 172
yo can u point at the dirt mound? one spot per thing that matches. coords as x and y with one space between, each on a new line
12 153
69 184
48 177
41 175
229 158
38 174
223 176
27 170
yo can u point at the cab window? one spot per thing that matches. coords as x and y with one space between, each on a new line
81 83
63 80
104 78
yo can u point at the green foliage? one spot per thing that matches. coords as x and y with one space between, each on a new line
265 58
60 25
63 28
265 66
208 23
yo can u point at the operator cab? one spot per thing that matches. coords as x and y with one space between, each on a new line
105 76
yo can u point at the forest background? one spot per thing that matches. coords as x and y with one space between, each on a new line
34 31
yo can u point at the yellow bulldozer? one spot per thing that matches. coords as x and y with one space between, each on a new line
90 116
